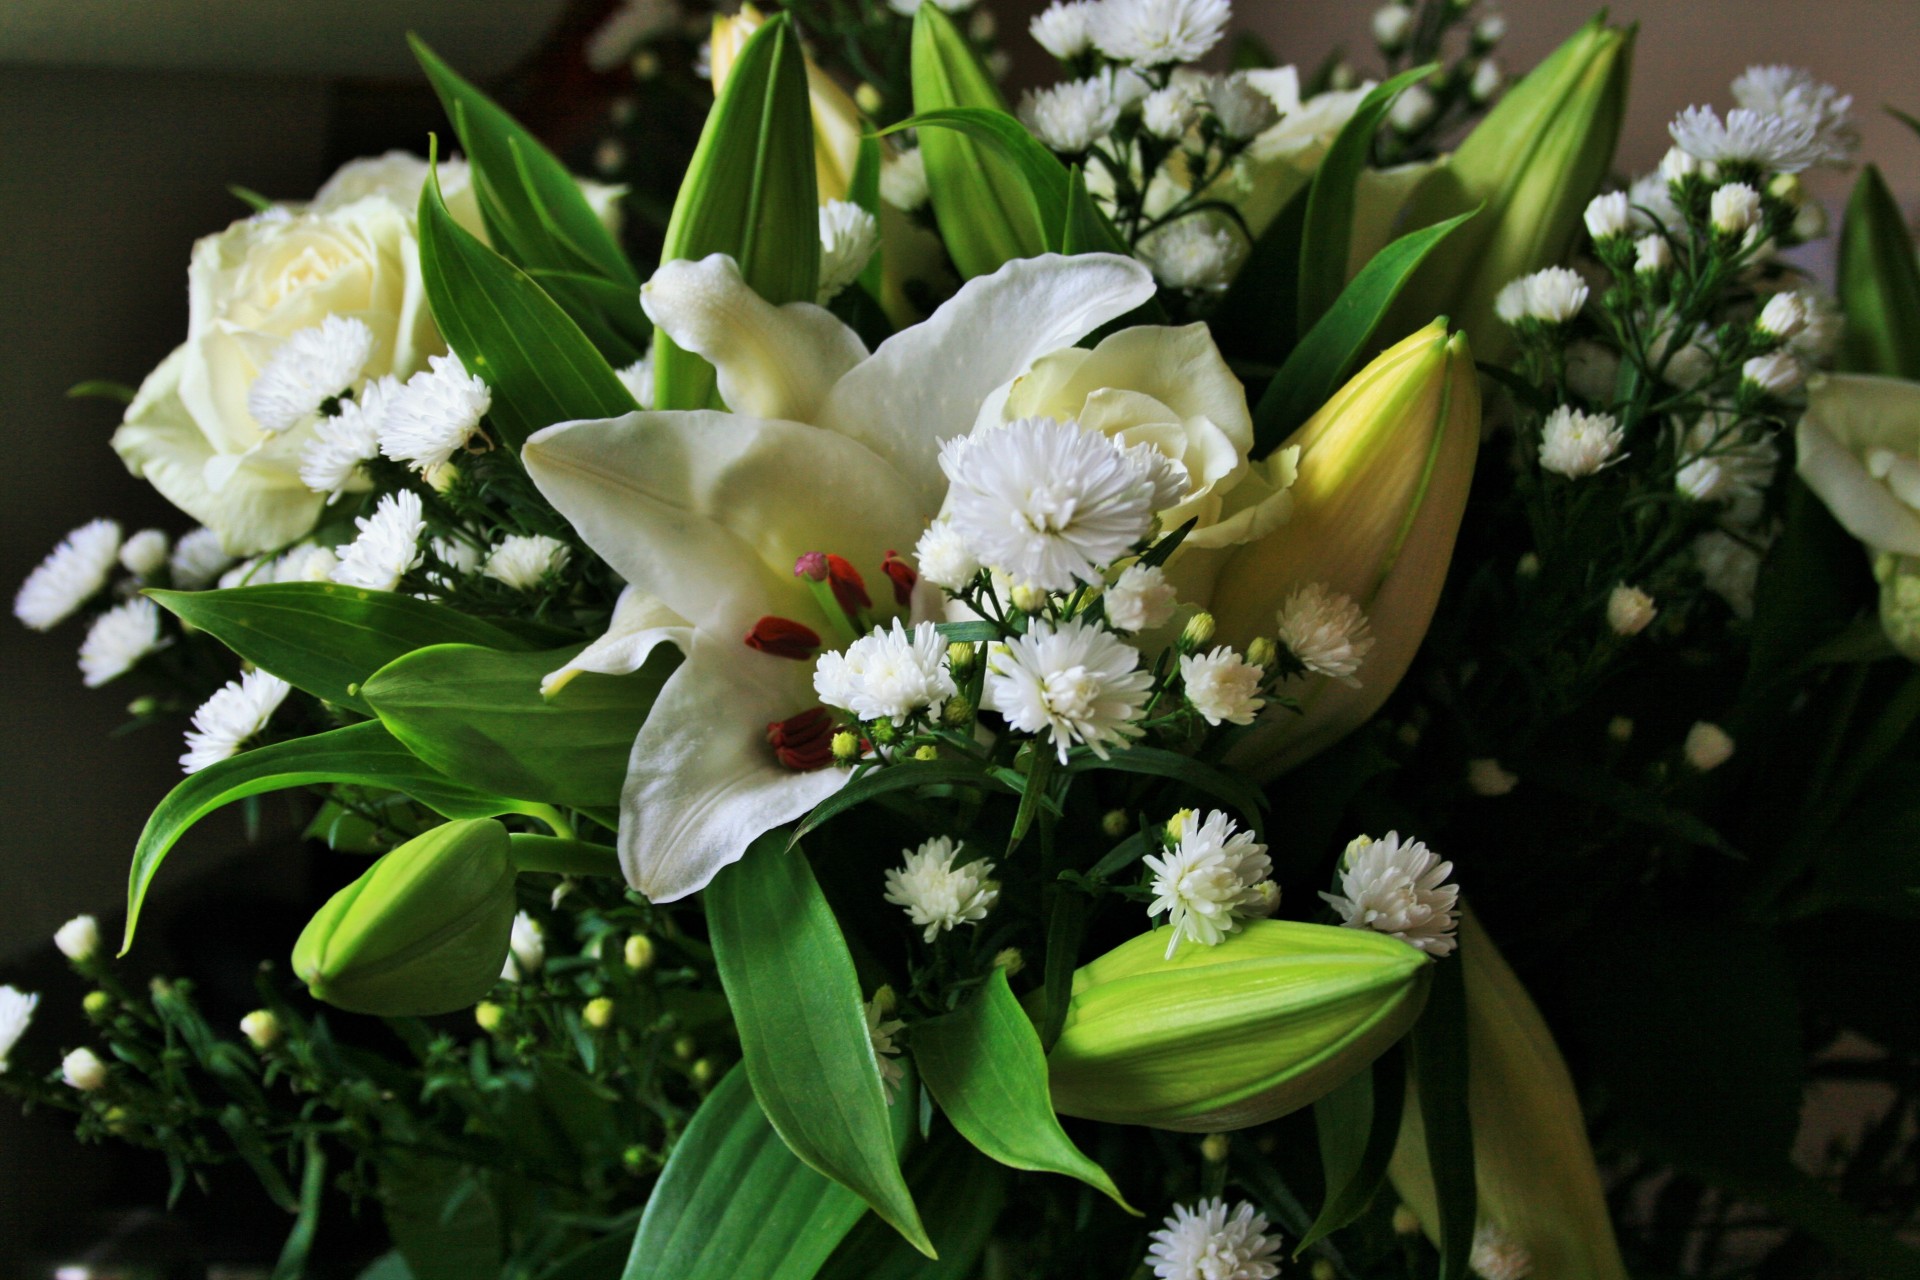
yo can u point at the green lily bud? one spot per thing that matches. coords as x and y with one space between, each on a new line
425 930
1224 1037
1532 1163
1384 469
1530 166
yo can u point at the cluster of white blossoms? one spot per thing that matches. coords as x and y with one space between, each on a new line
888 675
1210 1242
1075 682
16 1015
312 367
235 714
1209 878
937 895
1399 888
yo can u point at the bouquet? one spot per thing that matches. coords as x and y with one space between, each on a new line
1198 673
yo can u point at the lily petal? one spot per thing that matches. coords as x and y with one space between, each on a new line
1865 507
639 624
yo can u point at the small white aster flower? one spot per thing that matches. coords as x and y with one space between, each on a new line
1498 1256
1486 81
848 237
1778 373
1064 28
944 558
1486 777
1730 568
387 547
1707 747
306 564
526 949
434 415
1397 888
1169 113
1413 109
118 639
1071 116
197 560
1207 1243
78 939
1326 631
937 895
1652 255
1050 503
1392 24
145 553
344 442
1575 444
1734 208
73 573
1679 164
1552 296
1784 316
523 560
637 378
1722 462
1243 111
1772 142
1077 682
1222 686
1629 610
237 711
888 675
881 1030
1140 599
1196 253
311 367
82 1070
1609 215
1205 884
1793 94
16 1014
1154 33
903 180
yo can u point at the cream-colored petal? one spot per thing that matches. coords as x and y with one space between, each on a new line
639 625
1865 507
1180 367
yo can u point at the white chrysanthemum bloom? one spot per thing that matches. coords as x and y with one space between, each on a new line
1723 462
1326 631
1392 24
1575 444
1707 747
1609 215
73 573
526 949
943 557
83 1070
346 441
1413 109
1397 888
1778 373
1652 255
237 711
1071 116
434 415
888 674
1552 296
1195 253
1793 94
1629 610
1140 599
1207 1243
1222 686
1244 112
198 559
1772 142
78 939
1486 81
1050 503
1076 682
1154 33
1487 777
16 1014
523 560
1785 315
1593 370
1169 113
387 547
937 895
145 553
848 237
314 365
1205 884
880 1031
637 378
903 180
1734 209
1730 568
1677 165
1064 28
118 639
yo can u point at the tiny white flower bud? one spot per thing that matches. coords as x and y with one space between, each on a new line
1620 729
1485 777
1630 610
1487 79
83 1070
1028 598
1243 111
1677 166
261 1028
903 180
1392 25
1168 113
1708 746
78 939
1608 216
1734 209
1653 256
1490 30
1777 374
1412 109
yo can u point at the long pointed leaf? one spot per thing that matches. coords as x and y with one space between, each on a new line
1879 284
1438 1044
1358 1124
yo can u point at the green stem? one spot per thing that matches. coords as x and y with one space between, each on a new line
563 856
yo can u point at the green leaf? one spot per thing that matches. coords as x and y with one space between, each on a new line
363 755
1879 281
803 1027
589 300
984 1066
1326 240
1066 926
1358 1124
508 332
733 1201
1083 229
1256 320
901 775
1438 1045
441 1218
964 1193
292 1263
1038 174
750 192
863 189
324 638
1325 358
477 714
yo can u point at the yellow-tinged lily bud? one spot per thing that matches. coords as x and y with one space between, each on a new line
1224 1037
425 930
836 120
1532 1162
1531 167
1383 476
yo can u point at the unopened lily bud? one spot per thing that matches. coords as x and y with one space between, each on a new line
261 1028
836 120
1214 1148
1198 631
1708 746
1224 1037
83 1070
425 930
598 1013
1011 959
638 953
98 1005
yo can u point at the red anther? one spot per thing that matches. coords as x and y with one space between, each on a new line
811 566
803 742
784 638
903 575
849 588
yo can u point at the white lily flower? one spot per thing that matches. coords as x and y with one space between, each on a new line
829 453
